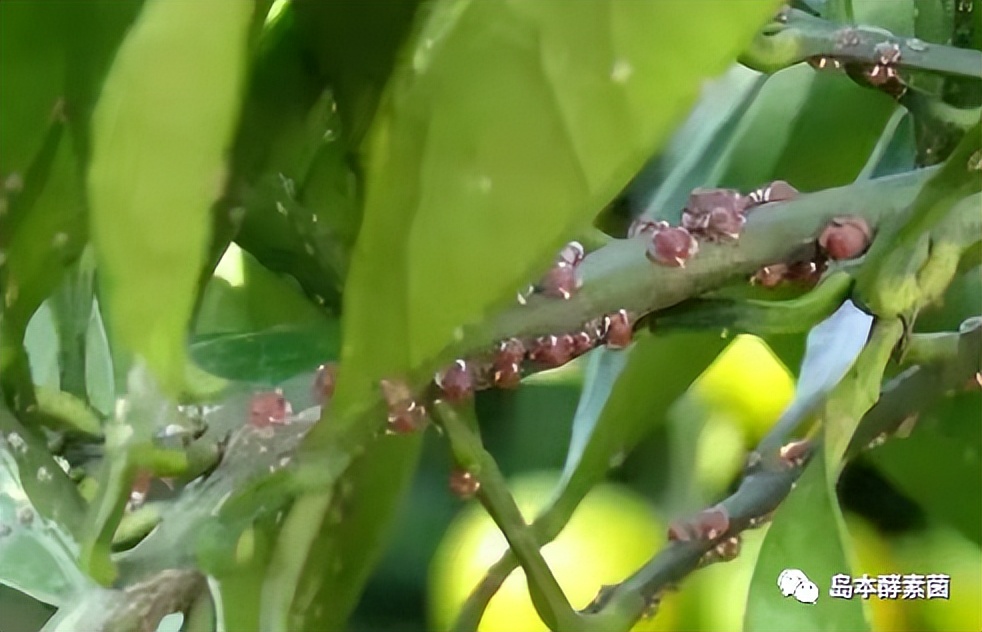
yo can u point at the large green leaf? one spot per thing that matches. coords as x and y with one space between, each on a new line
807 534
156 170
505 128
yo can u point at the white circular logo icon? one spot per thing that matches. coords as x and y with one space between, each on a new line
794 583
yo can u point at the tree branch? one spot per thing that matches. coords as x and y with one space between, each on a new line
801 37
616 276
763 489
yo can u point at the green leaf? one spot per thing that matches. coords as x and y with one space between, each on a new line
47 486
156 170
505 128
812 129
831 349
807 534
291 180
32 71
940 464
269 356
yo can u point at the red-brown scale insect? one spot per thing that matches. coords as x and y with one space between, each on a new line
572 253
716 214
777 191
672 246
268 409
405 414
464 484
794 454
617 330
552 351
641 226
506 367
324 382
561 281
709 524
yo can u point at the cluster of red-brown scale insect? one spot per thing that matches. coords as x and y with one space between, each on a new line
711 215
881 73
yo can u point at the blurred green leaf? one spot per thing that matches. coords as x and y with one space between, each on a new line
940 464
32 73
99 382
504 115
807 534
269 356
155 170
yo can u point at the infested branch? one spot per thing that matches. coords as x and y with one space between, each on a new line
764 488
797 36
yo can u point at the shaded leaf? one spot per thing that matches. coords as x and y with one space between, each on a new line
940 464
269 356
807 534
831 349
812 129
155 171
291 183
355 44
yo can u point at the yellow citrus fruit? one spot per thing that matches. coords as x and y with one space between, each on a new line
612 533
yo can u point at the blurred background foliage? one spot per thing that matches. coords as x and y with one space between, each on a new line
281 249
